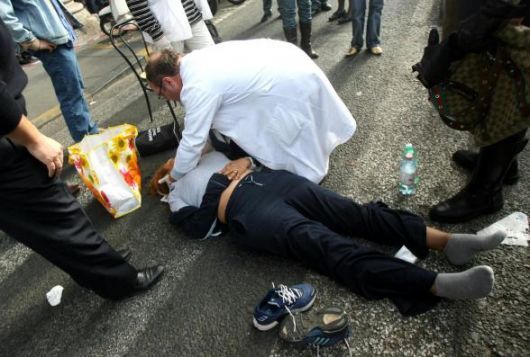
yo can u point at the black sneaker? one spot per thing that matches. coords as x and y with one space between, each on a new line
316 328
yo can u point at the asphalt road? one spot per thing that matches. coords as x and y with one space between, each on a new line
203 306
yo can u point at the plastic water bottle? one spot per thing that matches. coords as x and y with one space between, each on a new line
408 171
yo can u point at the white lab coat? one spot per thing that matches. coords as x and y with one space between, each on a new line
270 98
172 18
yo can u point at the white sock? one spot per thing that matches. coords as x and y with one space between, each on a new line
461 248
473 283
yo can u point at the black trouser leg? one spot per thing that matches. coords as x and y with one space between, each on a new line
38 212
373 221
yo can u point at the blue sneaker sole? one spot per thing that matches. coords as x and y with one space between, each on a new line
267 327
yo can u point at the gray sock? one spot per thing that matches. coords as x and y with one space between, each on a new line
462 247
473 283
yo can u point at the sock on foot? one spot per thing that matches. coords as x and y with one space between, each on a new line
462 247
473 283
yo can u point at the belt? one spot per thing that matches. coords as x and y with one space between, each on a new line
225 196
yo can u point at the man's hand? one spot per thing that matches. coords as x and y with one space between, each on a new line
38 45
49 152
234 169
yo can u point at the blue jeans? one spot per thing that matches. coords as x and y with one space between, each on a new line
63 69
267 6
373 28
288 11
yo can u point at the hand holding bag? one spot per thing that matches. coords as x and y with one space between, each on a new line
108 165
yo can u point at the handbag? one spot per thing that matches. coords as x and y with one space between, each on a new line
108 165
463 98
155 140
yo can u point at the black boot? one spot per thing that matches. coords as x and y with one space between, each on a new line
305 41
467 160
291 35
483 194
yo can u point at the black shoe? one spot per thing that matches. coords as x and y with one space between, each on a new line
315 11
344 19
148 277
466 205
337 14
125 253
468 160
266 16
325 6
483 193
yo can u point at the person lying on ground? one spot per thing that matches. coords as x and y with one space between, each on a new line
280 213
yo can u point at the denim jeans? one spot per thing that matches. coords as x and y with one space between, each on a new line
267 6
373 28
63 69
288 11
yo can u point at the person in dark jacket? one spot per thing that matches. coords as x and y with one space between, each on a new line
278 212
38 211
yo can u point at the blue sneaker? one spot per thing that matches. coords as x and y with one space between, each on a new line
281 301
316 328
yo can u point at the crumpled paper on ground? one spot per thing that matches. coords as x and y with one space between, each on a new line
54 295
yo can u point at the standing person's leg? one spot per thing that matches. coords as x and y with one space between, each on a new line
304 14
178 46
339 12
288 12
38 212
358 8
373 27
63 68
483 193
201 37
267 10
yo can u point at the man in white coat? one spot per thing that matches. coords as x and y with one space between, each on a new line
267 96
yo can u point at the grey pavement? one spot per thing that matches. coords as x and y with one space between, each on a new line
203 305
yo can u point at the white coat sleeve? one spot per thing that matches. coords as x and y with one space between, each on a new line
201 107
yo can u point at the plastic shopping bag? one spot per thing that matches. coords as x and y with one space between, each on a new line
108 165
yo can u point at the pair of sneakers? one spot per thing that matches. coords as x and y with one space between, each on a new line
320 328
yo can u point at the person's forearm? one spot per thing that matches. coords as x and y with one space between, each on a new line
19 33
145 18
25 134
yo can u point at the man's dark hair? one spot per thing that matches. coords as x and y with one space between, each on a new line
164 65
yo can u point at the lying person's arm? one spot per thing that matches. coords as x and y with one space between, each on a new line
201 222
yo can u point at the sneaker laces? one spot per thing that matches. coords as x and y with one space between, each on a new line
289 297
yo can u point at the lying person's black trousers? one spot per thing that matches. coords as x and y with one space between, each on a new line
39 212
287 215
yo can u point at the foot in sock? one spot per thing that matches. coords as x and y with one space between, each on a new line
462 247
473 283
